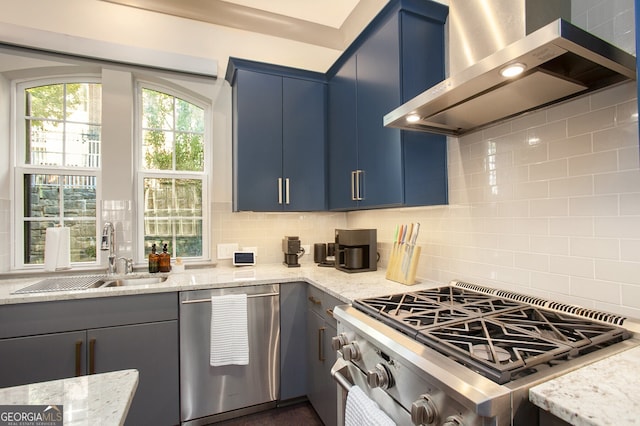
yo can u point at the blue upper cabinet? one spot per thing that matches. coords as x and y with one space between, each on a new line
399 55
279 142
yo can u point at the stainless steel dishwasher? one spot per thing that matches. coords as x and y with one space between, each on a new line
215 393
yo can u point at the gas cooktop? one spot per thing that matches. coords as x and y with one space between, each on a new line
501 337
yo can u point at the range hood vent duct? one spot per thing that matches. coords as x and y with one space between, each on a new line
561 61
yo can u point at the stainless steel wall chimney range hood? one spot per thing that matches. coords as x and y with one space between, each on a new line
560 61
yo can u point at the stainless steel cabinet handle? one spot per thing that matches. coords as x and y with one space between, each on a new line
353 185
92 356
279 190
359 177
320 344
79 358
286 191
250 296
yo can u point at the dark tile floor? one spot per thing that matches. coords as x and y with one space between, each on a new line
300 414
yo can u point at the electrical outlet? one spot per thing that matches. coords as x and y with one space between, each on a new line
225 251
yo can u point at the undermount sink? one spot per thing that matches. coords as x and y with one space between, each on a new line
124 282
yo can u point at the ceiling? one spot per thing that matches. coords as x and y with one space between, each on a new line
328 23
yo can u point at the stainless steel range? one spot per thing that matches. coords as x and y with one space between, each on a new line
464 354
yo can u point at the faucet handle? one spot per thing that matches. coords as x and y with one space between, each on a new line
128 264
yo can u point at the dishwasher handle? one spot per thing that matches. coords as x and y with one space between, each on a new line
249 296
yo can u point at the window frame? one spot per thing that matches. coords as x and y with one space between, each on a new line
142 173
21 168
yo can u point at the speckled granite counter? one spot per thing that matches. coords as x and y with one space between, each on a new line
344 286
97 399
602 393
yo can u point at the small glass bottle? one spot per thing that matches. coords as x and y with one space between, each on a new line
165 260
154 260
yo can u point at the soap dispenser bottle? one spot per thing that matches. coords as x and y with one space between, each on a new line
165 260
154 260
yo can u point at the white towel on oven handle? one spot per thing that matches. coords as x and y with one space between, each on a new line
362 411
229 330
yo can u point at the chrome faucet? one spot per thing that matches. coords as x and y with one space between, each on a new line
109 243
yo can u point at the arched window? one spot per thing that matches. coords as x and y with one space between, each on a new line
57 174
172 184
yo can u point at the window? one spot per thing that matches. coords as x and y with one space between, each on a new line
173 173
57 167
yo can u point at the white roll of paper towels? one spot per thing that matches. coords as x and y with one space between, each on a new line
57 249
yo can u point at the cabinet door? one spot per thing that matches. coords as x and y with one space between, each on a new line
303 141
425 154
41 358
257 141
379 148
152 349
321 388
343 139
293 337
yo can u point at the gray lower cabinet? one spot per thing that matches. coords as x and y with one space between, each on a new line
321 327
53 340
293 348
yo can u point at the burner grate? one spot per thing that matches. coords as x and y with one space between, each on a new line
499 334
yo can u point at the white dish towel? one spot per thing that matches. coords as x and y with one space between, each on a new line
362 411
229 330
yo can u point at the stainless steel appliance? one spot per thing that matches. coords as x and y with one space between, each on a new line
209 393
558 61
463 354
356 250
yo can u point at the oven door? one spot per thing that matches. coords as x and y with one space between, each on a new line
347 375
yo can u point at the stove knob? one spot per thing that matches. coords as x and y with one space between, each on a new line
351 352
380 377
339 341
452 421
423 411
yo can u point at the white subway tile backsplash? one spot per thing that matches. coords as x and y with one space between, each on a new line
590 122
571 226
571 266
609 270
576 186
617 227
602 248
570 147
548 170
614 183
601 162
630 295
551 283
602 291
605 205
549 207
630 204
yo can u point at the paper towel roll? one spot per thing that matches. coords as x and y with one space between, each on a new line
57 249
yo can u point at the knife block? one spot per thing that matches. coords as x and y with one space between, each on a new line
403 263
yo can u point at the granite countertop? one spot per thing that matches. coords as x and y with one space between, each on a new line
97 399
602 393
341 285
597 394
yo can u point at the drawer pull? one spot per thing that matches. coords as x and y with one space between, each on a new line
79 358
314 300
320 344
92 356
329 312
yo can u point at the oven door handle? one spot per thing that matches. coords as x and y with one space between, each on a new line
340 373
